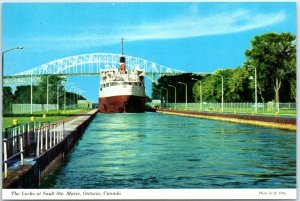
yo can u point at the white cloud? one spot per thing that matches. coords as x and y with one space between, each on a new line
195 26
183 26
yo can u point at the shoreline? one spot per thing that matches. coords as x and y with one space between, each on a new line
264 121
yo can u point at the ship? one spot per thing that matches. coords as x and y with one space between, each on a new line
122 90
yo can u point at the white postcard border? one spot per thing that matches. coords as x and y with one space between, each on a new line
125 194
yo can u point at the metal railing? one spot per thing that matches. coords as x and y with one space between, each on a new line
31 139
262 108
49 135
16 150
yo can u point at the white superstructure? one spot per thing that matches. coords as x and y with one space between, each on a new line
120 83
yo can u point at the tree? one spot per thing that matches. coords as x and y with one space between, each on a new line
8 95
272 54
208 88
165 81
239 86
8 98
22 94
53 82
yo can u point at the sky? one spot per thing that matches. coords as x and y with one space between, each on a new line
192 37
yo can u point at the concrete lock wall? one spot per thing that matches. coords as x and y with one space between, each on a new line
50 160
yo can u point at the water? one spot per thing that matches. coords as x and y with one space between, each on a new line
154 150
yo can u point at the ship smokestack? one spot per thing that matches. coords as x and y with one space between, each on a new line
122 59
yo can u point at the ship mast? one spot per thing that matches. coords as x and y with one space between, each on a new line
122 58
122 44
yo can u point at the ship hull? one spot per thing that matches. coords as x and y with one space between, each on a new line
122 103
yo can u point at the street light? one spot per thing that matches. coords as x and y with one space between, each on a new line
57 97
57 93
200 93
48 76
255 86
62 80
16 48
2 70
185 93
65 94
79 94
166 94
73 95
175 93
222 92
76 96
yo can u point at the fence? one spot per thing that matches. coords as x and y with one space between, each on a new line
31 139
26 108
262 108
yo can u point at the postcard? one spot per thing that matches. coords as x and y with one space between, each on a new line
148 100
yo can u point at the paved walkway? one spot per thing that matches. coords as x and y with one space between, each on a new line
15 170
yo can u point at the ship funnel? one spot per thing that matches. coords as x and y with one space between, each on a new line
122 59
122 64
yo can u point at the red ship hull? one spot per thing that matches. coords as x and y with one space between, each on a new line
119 104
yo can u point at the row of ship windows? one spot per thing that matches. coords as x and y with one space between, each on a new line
124 83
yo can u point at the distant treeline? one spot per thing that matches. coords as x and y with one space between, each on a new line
274 57
39 95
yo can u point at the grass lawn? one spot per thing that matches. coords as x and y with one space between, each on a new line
38 116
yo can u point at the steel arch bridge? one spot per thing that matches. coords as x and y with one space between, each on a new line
89 64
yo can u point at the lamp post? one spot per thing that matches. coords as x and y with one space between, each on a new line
31 97
255 86
200 93
48 76
185 93
65 94
62 80
57 93
57 96
2 69
222 92
48 93
175 93
166 94
76 96
15 48
79 93
71 92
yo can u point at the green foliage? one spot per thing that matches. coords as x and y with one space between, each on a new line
39 95
148 99
8 95
7 100
22 93
165 81
54 87
273 55
235 86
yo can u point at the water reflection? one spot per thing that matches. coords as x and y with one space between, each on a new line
161 151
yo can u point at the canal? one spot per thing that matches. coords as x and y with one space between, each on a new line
153 150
